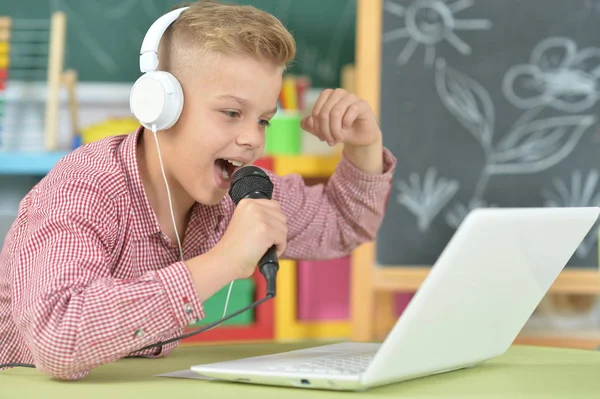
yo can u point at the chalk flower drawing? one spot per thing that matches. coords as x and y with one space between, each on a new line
430 22
592 5
558 75
529 146
580 193
538 145
426 200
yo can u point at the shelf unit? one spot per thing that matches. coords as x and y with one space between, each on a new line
287 325
274 319
277 319
29 163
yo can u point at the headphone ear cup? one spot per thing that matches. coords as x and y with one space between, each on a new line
156 99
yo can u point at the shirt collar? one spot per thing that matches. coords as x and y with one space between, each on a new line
144 219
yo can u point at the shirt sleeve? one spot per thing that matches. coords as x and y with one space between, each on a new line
328 221
73 314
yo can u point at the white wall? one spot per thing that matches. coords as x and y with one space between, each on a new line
25 110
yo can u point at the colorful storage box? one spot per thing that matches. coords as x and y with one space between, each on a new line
324 290
401 301
242 294
109 127
267 163
284 136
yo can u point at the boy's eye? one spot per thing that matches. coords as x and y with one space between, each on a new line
232 114
236 114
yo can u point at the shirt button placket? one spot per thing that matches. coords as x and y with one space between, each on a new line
139 333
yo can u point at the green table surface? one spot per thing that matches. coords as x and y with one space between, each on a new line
522 372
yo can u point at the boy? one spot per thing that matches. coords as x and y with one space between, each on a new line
91 270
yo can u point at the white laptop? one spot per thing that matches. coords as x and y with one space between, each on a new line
477 297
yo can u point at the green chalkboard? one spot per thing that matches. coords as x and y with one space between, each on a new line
104 36
487 104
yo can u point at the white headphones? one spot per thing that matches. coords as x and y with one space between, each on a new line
156 98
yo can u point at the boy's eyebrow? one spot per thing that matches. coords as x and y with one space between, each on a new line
242 101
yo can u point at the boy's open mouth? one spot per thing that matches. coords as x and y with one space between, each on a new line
224 169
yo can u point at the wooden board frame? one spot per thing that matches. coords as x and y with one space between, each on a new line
372 287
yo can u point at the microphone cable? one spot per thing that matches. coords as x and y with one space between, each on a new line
270 273
270 282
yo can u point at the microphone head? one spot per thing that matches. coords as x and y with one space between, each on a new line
250 181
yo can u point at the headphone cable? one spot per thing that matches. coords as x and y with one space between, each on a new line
164 176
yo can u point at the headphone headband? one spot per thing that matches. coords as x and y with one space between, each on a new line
149 50
156 98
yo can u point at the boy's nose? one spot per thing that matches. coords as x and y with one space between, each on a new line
251 138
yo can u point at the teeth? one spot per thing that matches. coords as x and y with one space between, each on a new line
234 163
224 174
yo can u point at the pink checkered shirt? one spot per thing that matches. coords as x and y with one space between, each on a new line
87 277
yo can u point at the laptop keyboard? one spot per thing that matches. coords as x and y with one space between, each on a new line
337 364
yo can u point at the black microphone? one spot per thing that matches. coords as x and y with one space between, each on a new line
253 182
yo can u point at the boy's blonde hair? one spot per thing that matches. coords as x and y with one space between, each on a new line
209 27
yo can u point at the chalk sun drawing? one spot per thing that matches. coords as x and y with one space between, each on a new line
430 22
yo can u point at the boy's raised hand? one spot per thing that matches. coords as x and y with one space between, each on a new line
339 116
